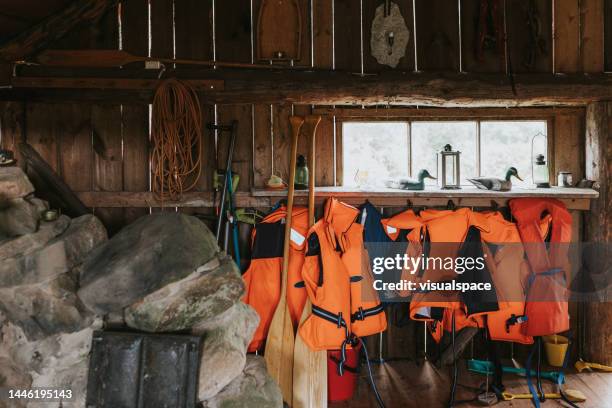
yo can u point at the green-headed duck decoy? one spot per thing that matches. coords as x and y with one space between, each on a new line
495 184
409 184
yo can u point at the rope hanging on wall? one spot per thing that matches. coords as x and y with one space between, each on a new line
176 136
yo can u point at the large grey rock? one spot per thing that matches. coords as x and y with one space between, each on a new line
253 389
82 236
50 259
147 255
58 361
45 308
28 243
14 183
13 377
18 216
208 291
225 347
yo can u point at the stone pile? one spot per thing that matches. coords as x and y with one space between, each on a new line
61 280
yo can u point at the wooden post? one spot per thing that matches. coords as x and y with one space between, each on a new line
598 343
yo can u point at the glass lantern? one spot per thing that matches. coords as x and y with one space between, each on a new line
449 168
539 165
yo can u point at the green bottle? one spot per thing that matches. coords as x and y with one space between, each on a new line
301 174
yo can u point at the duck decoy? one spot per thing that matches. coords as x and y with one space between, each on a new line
496 184
410 184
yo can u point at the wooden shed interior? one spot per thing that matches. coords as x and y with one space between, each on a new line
92 124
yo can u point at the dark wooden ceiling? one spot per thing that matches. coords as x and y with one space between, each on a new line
18 15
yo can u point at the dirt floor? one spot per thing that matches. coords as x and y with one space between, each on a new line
407 385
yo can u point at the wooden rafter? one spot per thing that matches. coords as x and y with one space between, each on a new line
52 28
340 88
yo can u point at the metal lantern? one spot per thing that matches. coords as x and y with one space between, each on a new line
539 166
449 166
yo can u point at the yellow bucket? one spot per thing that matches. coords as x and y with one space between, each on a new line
555 347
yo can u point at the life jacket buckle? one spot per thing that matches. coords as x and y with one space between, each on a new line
514 319
360 315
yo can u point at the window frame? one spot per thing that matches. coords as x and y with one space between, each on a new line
389 114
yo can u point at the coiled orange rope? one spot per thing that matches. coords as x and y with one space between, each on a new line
176 137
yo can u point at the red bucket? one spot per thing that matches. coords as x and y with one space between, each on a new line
342 387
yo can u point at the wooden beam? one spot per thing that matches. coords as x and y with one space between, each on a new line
598 344
53 28
445 114
73 205
203 85
342 88
146 199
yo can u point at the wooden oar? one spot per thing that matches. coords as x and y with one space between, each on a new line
281 338
309 367
118 58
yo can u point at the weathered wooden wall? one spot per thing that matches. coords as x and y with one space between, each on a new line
105 147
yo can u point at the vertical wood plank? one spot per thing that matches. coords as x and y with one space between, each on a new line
347 22
135 26
567 36
492 60
12 122
44 127
135 118
608 34
569 140
303 143
108 160
324 150
370 63
135 135
522 48
282 139
322 33
592 35
262 166
162 39
339 165
209 163
242 161
305 37
76 157
233 30
437 28
193 29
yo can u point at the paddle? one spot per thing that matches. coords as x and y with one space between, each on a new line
309 367
281 339
118 58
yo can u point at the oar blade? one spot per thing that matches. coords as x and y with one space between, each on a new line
279 350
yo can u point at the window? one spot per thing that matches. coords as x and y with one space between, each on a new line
373 152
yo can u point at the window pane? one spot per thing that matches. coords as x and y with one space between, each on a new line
374 152
429 138
508 143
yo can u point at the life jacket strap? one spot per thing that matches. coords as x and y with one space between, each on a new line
362 313
334 318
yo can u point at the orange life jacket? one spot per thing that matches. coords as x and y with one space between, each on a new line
263 277
547 306
510 272
412 226
448 229
338 281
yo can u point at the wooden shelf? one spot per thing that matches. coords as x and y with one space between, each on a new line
574 198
